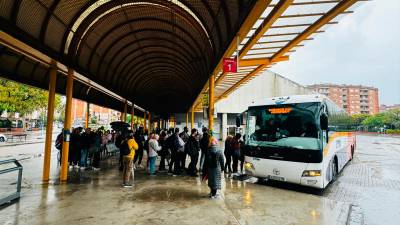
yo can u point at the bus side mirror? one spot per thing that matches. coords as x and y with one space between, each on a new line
238 121
324 122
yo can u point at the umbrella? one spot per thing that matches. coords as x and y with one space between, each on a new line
119 125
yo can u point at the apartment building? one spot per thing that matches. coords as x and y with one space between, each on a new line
355 99
104 115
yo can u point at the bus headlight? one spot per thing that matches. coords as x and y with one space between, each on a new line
248 166
311 173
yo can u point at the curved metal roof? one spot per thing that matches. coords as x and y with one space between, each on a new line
157 53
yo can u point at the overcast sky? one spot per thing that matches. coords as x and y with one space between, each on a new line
364 48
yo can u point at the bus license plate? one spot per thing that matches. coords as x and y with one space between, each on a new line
276 178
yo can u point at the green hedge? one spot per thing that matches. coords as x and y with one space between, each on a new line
389 131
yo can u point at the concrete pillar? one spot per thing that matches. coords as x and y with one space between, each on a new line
49 127
224 128
67 126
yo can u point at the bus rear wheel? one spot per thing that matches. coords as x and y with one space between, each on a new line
352 152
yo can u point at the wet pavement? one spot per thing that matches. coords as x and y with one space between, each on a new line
367 192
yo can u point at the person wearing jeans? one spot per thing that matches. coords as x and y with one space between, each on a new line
128 160
154 147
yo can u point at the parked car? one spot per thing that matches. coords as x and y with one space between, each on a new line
3 138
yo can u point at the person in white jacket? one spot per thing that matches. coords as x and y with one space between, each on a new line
154 147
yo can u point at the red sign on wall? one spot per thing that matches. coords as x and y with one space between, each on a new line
230 65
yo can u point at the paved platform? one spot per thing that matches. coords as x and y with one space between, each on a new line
367 192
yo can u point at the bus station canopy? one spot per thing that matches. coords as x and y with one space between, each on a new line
158 54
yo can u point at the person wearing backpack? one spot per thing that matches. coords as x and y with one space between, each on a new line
235 147
175 146
128 148
58 144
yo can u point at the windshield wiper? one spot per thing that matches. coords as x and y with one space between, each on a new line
278 146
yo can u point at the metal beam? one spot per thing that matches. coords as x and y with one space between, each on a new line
298 25
335 11
258 9
277 12
246 78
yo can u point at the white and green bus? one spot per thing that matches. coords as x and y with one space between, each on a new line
296 139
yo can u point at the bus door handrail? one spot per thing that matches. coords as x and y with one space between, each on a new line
18 167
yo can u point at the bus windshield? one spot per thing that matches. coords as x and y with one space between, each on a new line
284 126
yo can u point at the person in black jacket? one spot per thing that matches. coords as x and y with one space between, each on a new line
162 141
139 138
193 148
204 146
86 140
228 154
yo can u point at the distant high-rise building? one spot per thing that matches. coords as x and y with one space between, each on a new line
355 99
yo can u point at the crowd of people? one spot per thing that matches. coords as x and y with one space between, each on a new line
171 147
86 147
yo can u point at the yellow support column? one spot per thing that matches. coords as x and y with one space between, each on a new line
145 122
187 120
87 114
132 116
49 127
150 124
211 102
125 111
192 122
67 126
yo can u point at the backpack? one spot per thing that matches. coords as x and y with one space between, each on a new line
124 149
146 145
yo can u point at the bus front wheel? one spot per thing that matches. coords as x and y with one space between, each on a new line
334 169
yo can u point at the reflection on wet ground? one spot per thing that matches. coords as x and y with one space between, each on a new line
367 192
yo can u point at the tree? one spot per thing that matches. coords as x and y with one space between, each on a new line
392 118
359 118
21 98
374 121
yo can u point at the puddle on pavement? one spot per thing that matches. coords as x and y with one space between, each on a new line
169 194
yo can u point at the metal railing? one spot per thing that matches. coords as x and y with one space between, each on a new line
18 167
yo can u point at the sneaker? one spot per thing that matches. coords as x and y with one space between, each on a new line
127 185
214 197
96 169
